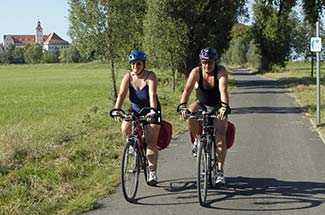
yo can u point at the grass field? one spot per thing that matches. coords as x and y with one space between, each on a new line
54 153
59 150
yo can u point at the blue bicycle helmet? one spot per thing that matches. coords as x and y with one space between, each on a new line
137 55
208 54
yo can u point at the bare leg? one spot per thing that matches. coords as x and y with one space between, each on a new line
221 129
152 132
126 128
192 123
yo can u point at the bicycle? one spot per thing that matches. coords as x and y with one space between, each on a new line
134 157
207 159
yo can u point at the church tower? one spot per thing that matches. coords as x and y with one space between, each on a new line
39 33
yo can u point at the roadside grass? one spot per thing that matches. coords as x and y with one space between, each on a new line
59 150
297 77
54 132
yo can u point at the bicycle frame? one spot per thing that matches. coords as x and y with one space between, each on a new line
206 158
134 157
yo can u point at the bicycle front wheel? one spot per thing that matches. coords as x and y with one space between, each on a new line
202 174
130 169
214 164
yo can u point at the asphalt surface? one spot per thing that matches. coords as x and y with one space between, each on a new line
276 165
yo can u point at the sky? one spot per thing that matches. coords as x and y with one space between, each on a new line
21 16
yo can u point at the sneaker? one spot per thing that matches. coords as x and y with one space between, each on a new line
153 179
194 148
131 150
220 178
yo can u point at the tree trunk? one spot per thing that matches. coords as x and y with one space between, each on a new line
114 82
265 63
173 72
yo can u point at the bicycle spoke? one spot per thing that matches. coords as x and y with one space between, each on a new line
202 175
130 172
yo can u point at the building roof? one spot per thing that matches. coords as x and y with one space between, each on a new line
31 39
54 38
25 39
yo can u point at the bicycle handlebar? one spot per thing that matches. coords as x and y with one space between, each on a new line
204 111
141 115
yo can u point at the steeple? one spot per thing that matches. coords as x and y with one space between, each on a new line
39 33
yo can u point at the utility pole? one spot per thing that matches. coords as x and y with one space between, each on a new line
317 47
318 77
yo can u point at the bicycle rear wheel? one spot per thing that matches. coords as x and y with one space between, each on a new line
130 169
202 174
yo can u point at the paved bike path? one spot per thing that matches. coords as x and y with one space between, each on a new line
277 165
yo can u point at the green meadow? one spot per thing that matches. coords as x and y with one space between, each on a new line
59 149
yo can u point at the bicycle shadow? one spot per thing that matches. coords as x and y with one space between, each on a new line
267 194
181 189
254 194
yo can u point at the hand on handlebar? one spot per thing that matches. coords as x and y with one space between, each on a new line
183 113
117 116
151 115
223 111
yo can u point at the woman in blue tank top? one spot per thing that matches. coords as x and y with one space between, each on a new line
142 85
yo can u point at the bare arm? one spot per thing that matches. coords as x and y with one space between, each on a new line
190 83
153 85
223 84
124 88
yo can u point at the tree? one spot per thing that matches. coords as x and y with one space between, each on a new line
253 55
208 23
49 57
271 31
301 34
106 30
313 9
18 55
165 37
70 55
33 53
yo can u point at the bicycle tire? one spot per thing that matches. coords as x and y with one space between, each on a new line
130 169
213 165
202 174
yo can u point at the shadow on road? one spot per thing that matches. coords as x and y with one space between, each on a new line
242 194
266 110
267 194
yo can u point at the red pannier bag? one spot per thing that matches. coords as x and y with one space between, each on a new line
165 135
230 135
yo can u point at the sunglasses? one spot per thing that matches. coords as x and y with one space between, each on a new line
138 63
207 61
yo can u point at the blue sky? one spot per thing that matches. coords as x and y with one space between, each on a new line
21 16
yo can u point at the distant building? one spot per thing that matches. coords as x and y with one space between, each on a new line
52 42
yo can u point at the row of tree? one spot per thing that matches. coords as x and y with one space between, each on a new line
29 54
293 42
173 32
33 54
170 32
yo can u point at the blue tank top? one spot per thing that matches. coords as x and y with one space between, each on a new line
140 98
